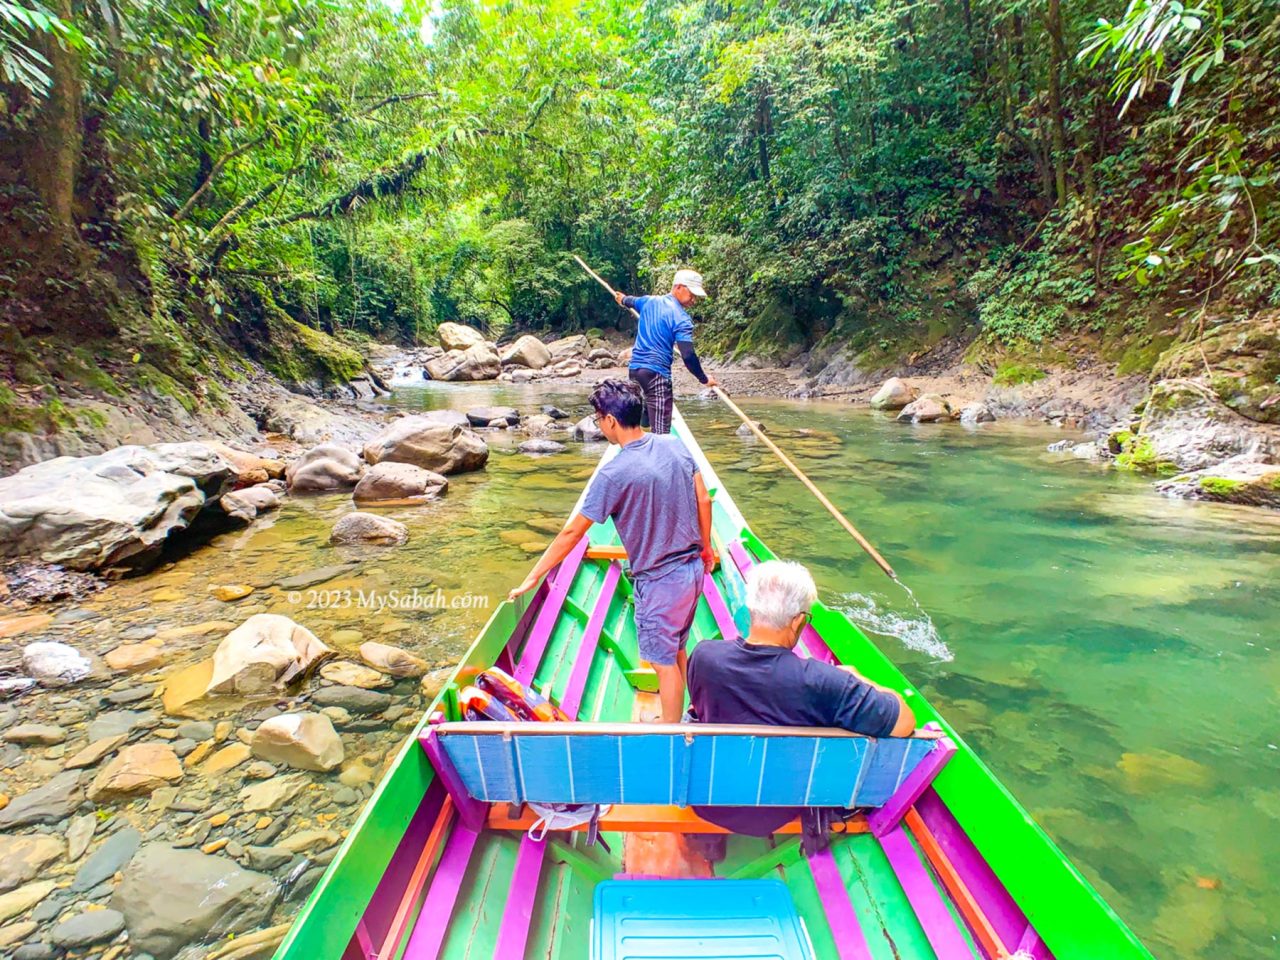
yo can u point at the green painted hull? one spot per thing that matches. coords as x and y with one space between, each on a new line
1065 911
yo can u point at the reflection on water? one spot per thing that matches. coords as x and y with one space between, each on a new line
1109 652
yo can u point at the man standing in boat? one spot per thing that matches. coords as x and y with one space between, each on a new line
655 494
664 326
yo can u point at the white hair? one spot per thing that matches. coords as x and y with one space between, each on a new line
778 591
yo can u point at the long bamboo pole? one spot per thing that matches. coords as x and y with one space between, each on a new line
863 542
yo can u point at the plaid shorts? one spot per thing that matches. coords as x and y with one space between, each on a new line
658 399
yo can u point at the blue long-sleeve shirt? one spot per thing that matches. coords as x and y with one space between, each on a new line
663 324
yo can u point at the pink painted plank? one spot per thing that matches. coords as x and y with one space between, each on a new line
889 815
930 909
549 613
1000 909
513 935
518 914
572 698
433 920
471 811
851 942
724 619
1033 946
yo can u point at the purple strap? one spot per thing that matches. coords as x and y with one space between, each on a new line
549 613
724 620
513 935
918 781
851 942
433 921
930 909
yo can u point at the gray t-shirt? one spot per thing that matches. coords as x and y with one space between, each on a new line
648 490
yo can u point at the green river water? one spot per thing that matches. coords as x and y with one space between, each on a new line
1109 652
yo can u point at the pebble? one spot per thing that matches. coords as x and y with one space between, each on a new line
86 929
215 846
94 752
79 834
129 695
345 796
196 730
263 823
107 859
260 770
227 592
45 734
199 753
227 758
16 932
183 747
352 699
50 907
34 951
17 902
223 730
219 819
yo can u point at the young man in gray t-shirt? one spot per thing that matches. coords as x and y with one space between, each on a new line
654 492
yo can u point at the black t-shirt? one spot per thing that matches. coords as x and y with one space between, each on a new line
732 681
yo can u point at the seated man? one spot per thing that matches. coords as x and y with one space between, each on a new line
759 679
654 492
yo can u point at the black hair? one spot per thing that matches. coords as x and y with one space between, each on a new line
621 399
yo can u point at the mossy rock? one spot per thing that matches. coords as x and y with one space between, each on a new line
1012 374
1241 361
1137 454
298 353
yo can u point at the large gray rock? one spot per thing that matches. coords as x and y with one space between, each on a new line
928 409
50 803
360 527
587 429
458 336
572 346
245 505
541 447
479 362
115 509
303 740
528 351
399 483
1246 479
976 413
894 395
352 699
1186 427
430 444
172 897
324 469
485 416
264 654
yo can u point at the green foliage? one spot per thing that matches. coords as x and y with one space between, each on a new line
1221 486
22 26
1010 374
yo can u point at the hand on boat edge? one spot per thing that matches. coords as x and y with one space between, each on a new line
528 584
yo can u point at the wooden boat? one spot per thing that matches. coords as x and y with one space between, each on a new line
942 862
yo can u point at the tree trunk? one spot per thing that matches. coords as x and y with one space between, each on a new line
55 163
1057 125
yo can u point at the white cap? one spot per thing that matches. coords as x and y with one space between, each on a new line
691 279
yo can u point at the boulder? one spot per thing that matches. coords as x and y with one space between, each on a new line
976 413
271 794
600 353
554 412
458 336
263 655
1244 354
569 368
486 416
115 509
136 770
455 418
351 674
928 409
51 803
574 346
132 657
479 362
306 741
430 444
54 664
1185 427
519 375
541 447
746 431
1246 479
539 425
528 351
893 395
324 469
587 429
245 505
399 483
247 469
24 857
392 660
171 898
351 699
369 528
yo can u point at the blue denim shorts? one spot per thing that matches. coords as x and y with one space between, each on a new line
665 604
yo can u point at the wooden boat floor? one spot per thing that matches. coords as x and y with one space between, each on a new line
562 909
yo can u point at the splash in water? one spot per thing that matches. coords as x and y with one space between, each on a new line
916 633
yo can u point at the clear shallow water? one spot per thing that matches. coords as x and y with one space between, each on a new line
1110 653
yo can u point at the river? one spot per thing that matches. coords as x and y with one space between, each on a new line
1109 652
